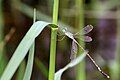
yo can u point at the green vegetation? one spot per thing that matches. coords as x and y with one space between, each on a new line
40 56
53 41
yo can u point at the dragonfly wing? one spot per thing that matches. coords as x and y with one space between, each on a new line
74 50
85 30
86 39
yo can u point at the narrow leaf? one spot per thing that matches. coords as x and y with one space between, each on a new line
21 70
23 48
41 67
29 67
73 63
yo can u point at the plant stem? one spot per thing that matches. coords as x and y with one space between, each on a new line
80 70
52 54
55 11
53 41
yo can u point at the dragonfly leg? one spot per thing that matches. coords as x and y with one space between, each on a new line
61 38
77 33
60 34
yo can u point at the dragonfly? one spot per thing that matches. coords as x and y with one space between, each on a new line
72 36
85 38
82 32
75 44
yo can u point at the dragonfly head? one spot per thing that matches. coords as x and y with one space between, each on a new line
65 29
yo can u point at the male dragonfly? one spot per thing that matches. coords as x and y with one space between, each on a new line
74 48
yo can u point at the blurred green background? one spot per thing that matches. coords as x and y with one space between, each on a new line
104 15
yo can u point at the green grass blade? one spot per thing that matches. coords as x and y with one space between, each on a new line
21 70
29 67
41 67
28 71
23 48
73 63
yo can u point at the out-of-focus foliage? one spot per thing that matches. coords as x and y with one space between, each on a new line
102 14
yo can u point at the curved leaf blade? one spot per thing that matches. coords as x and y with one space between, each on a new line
73 63
28 71
23 48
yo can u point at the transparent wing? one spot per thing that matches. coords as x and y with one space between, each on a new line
85 30
84 38
74 50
